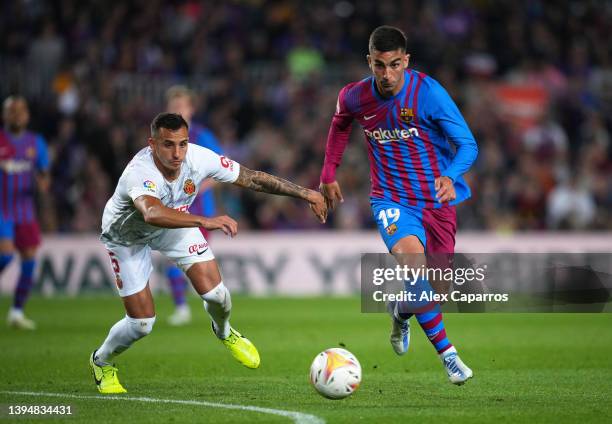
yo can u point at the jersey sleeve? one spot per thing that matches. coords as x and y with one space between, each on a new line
140 182
337 138
42 154
441 109
212 165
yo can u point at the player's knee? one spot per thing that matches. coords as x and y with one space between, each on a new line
141 327
408 245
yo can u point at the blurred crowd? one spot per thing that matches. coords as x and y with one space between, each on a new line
532 78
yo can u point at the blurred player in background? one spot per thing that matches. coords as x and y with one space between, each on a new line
181 100
24 165
410 122
148 211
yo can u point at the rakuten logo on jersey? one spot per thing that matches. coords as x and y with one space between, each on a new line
182 208
198 248
227 163
385 136
15 166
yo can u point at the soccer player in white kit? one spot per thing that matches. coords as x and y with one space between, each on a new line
149 211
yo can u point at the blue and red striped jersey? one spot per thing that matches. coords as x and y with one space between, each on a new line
204 203
412 138
20 158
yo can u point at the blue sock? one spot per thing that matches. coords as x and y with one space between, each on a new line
427 313
24 284
178 285
5 259
432 324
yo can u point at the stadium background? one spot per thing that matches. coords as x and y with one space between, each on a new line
268 74
532 78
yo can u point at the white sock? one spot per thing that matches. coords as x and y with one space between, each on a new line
15 312
121 336
218 304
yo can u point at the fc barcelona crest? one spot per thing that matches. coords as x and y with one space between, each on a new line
391 229
406 115
189 187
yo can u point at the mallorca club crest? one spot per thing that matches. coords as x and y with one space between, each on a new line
189 187
406 114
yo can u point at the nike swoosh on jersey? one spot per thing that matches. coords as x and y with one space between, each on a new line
199 253
368 117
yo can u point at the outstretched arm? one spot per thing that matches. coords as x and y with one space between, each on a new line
266 183
156 213
260 181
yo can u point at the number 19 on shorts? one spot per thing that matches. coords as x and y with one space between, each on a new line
389 216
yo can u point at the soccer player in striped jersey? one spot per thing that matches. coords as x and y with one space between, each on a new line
180 99
410 124
24 165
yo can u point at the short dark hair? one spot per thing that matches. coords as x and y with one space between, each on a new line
171 121
386 39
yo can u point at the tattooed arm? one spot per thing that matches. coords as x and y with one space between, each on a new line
260 181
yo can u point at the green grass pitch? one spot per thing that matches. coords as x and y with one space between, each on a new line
532 368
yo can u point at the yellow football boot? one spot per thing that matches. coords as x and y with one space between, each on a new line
242 349
105 377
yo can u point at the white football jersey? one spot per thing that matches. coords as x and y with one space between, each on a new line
124 225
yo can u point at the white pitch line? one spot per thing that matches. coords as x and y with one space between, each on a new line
297 417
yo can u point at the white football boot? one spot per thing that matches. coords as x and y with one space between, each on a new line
181 316
458 372
400 331
16 319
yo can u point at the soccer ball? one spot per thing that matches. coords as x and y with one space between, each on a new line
335 373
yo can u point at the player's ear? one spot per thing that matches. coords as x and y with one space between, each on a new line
407 61
151 142
369 59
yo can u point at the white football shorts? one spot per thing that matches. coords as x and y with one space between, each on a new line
132 264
